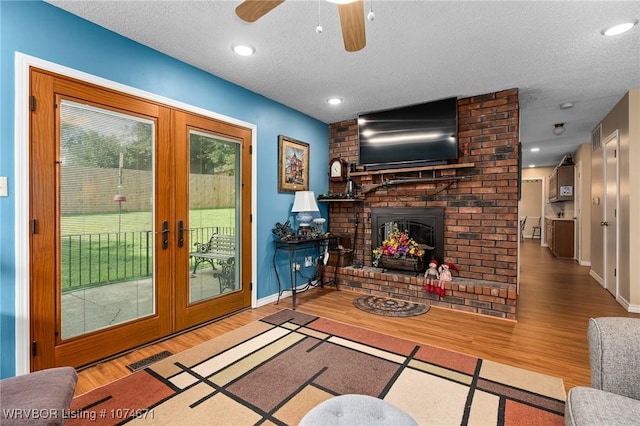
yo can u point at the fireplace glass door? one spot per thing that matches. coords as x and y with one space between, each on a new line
424 225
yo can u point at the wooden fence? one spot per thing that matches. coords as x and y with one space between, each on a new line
87 190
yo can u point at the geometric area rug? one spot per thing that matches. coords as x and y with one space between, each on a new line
273 371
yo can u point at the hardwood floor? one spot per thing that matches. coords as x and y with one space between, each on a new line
557 298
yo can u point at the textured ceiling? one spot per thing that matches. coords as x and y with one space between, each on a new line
417 51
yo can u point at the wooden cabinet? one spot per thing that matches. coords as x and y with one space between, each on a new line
560 237
561 184
548 231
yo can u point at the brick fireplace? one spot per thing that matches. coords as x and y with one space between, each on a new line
478 197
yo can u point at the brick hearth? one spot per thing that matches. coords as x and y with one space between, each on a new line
463 294
480 211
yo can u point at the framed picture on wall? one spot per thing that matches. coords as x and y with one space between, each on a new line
293 165
566 191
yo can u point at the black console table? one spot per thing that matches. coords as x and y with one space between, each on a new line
293 247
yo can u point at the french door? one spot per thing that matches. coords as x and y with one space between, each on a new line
125 195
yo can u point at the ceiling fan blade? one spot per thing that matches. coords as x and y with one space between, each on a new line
352 23
252 10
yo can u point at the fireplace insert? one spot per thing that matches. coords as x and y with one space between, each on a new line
424 224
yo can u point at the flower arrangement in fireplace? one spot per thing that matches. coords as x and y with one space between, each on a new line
397 245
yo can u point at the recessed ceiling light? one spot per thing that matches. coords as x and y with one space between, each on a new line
535 149
566 105
619 29
244 49
335 101
531 166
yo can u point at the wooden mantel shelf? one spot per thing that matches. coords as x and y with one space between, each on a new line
413 169
340 200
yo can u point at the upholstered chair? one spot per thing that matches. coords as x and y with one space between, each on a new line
614 395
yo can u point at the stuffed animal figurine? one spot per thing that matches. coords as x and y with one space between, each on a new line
444 275
431 276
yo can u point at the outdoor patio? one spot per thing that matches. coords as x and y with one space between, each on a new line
98 307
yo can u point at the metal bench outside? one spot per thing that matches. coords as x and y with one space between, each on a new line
219 248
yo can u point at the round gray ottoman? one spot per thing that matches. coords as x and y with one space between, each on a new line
356 410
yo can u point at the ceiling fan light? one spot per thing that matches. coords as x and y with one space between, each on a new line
244 49
619 29
558 129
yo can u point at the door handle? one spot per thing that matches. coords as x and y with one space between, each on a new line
604 223
165 234
180 233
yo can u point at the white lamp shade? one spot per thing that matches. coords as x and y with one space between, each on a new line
304 201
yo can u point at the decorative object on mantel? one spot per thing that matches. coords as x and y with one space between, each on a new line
399 251
338 170
389 307
390 182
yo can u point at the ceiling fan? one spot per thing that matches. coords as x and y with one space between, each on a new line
351 18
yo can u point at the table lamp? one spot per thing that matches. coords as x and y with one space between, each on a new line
304 203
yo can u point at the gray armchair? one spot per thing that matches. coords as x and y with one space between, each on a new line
39 398
614 395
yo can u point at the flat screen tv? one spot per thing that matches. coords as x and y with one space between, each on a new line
409 136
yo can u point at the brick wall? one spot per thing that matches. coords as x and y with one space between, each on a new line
480 203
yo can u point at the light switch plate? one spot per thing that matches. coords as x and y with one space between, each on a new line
4 187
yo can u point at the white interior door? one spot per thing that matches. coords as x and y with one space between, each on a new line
578 210
609 222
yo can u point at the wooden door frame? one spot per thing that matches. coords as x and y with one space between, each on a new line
23 63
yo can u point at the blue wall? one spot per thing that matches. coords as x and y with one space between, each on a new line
46 32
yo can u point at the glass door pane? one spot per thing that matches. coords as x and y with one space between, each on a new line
106 218
214 209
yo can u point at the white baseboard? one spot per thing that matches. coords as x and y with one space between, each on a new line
596 277
584 263
267 300
285 294
628 306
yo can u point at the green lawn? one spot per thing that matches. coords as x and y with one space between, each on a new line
94 252
140 221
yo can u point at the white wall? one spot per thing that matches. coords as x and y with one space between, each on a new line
531 205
